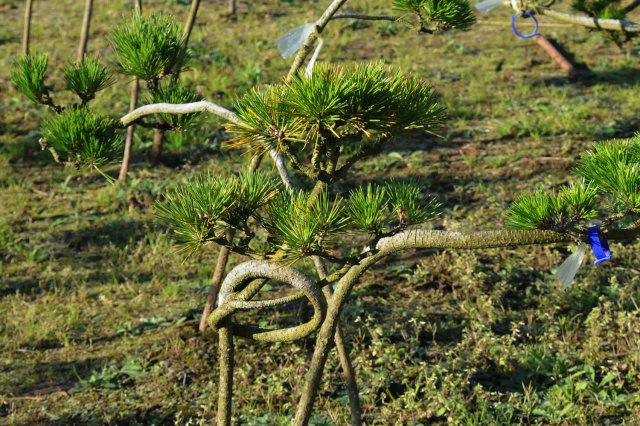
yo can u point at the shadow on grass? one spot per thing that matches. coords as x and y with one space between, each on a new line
587 78
119 232
45 378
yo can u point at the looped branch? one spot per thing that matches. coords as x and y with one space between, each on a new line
254 274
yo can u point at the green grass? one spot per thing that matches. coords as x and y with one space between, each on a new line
98 310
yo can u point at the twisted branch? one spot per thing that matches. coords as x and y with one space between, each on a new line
417 238
252 270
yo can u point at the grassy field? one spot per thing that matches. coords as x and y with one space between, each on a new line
99 311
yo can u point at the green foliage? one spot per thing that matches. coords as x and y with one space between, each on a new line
86 78
335 103
149 47
368 209
254 191
195 211
112 376
302 229
407 201
579 199
611 168
86 138
537 210
265 126
175 93
540 210
28 76
439 15
614 167
599 8
200 213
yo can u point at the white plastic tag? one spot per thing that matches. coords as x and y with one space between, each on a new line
289 43
569 267
487 6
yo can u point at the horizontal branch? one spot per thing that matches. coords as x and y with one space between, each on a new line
201 106
591 22
365 17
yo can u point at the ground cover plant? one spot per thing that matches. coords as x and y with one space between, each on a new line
464 377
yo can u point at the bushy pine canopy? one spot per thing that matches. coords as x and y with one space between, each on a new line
344 103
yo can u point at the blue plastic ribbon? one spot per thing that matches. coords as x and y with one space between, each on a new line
599 245
518 33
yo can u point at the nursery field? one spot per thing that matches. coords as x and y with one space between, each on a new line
99 309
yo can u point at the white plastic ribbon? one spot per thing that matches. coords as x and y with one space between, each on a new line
313 59
289 43
569 267
487 6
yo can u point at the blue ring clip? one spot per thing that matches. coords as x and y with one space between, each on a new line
518 33
599 245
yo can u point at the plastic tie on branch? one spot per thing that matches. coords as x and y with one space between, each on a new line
527 15
599 245
289 43
487 6
600 249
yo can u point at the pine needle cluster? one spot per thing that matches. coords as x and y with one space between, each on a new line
86 78
202 211
28 76
300 229
439 15
610 183
85 137
398 204
149 47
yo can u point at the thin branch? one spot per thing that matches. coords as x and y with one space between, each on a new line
343 354
191 20
592 22
128 144
26 32
163 108
307 46
84 35
367 17
282 169
225 380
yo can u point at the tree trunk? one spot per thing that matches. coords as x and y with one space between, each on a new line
133 104
156 148
84 35
562 61
218 274
191 21
26 34
124 168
